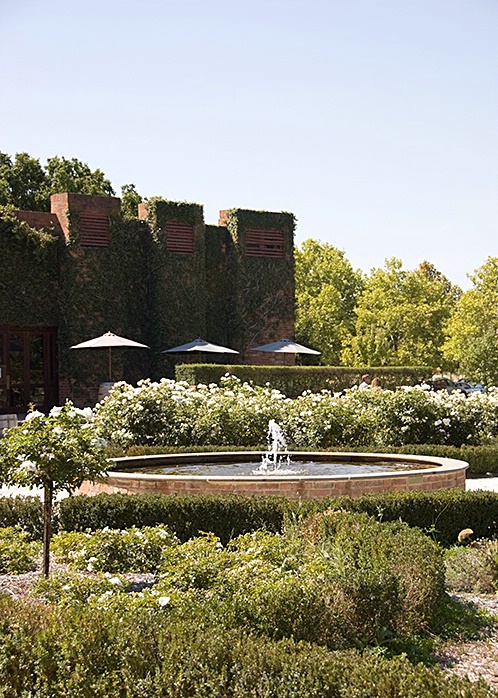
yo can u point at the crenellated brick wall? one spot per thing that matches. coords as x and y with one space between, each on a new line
232 284
63 205
41 220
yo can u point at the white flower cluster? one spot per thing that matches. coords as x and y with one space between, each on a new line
233 413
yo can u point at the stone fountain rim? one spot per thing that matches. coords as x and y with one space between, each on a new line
441 465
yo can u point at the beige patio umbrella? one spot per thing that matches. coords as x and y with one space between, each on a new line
108 341
200 345
286 346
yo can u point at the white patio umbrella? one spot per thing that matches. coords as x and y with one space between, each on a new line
286 346
107 341
200 345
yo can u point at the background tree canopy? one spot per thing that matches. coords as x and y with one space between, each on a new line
401 316
472 330
327 289
391 317
25 184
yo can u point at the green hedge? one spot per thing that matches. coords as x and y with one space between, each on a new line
89 653
24 512
294 380
482 460
441 514
226 516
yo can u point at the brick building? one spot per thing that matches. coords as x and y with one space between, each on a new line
162 279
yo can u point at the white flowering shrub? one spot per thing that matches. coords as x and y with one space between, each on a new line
61 448
112 550
237 414
322 420
55 452
175 414
145 414
72 589
233 413
18 553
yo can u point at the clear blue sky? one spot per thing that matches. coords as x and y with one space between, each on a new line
374 121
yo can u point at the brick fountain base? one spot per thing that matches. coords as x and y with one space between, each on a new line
434 473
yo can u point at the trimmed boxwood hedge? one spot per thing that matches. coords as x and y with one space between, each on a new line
294 380
441 513
226 516
24 512
86 653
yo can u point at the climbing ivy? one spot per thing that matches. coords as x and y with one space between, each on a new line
29 278
138 288
177 288
104 289
263 288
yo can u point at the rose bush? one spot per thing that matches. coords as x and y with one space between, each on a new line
55 452
237 414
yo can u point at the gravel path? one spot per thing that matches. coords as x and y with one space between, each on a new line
478 659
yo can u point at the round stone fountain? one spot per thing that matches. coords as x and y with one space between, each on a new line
297 475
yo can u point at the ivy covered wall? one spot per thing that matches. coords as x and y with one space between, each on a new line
136 285
105 289
29 273
262 304
219 285
177 281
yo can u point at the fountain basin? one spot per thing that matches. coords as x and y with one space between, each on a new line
421 473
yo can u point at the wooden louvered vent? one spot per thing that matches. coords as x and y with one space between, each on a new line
94 230
264 243
179 237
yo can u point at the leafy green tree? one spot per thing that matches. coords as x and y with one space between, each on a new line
327 288
472 330
75 176
25 184
130 198
401 315
55 452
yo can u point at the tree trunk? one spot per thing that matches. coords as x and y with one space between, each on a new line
48 493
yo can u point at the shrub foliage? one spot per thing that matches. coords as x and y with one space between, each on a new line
87 653
236 413
442 514
268 615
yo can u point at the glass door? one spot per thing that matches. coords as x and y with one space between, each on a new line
28 366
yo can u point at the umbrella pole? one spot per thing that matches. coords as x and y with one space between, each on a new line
110 366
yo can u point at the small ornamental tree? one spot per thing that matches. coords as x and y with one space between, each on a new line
55 452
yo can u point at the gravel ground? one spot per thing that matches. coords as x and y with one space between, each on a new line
482 483
478 659
18 585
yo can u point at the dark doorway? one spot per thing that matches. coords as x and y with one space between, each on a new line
28 368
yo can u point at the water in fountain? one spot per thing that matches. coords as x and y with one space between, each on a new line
276 460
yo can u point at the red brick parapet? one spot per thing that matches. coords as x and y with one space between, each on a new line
63 204
41 220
